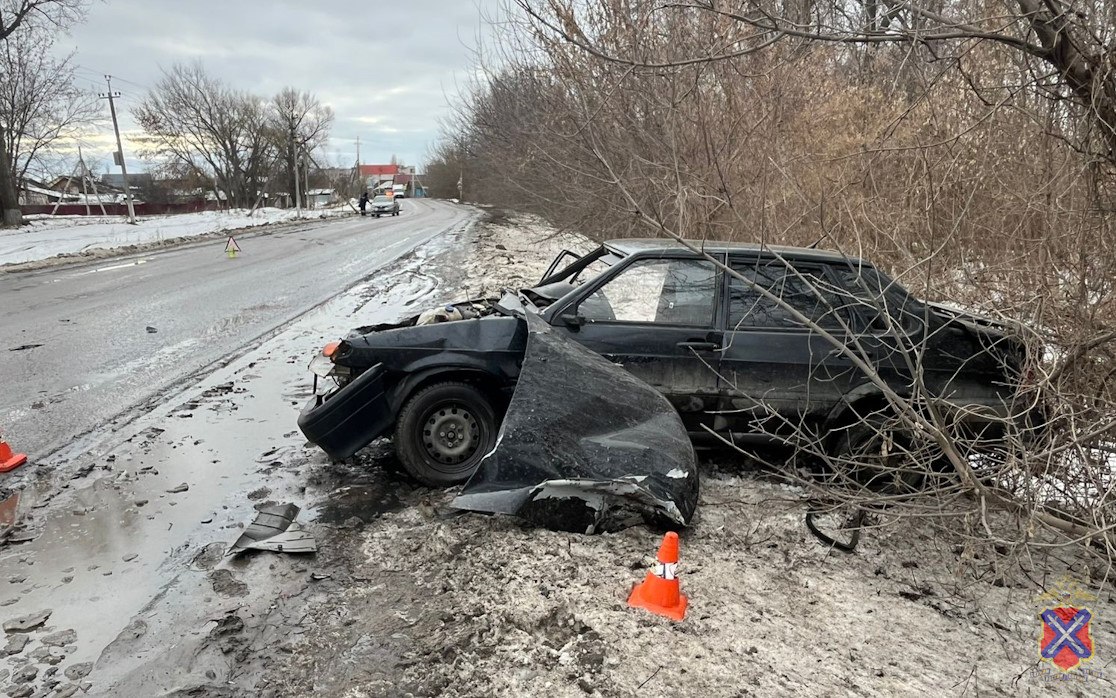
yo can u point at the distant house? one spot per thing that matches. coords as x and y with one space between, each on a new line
375 176
32 192
74 186
319 197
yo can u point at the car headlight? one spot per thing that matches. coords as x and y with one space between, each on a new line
322 364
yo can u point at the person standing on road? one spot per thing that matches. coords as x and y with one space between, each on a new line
363 202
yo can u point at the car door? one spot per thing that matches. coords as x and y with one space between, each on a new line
657 317
777 371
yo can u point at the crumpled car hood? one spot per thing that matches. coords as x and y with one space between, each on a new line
585 446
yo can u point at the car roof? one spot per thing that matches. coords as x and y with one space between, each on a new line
631 246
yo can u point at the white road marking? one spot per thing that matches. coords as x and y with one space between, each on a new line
114 266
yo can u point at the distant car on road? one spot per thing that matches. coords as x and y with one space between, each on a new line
399 191
727 357
383 205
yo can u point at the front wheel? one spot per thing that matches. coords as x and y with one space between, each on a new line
883 457
443 432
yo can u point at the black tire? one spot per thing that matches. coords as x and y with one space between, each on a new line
877 454
443 432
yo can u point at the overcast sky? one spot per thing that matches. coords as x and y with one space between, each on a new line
387 68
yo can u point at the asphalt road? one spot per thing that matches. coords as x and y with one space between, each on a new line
80 345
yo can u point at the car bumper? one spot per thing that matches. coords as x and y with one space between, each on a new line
347 419
383 210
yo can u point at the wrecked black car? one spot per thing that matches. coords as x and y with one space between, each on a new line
732 357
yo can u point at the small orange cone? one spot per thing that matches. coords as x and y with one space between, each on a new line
8 460
659 592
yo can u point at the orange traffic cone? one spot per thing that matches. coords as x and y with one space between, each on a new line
659 592
9 460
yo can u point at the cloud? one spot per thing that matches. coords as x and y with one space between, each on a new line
386 69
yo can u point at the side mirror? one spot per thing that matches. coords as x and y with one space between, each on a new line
572 320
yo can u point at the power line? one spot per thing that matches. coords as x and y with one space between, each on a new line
99 74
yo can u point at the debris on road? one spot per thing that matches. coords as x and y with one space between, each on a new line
25 675
275 530
16 643
178 489
60 638
78 671
151 330
28 622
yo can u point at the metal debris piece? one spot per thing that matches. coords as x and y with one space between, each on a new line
275 530
585 446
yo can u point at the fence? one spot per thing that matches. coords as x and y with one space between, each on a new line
144 209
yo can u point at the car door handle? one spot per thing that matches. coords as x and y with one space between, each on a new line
699 345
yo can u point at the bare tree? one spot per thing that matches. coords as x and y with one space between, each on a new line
39 101
956 157
209 128
1064 47
300 126
17 16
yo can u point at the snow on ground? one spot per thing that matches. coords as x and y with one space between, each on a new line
50 236
451 604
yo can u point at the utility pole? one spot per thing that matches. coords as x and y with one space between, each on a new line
119 154
306 178
294 166
359 178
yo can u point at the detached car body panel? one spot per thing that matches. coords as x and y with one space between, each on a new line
730 356
584 445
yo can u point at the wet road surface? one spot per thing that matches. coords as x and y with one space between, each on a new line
81 345
123 541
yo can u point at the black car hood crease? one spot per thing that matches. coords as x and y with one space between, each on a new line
585 445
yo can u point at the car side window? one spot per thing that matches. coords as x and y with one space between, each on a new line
877 295
660 291
805 289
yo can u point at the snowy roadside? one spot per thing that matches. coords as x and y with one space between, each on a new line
67 238
466 604
405 596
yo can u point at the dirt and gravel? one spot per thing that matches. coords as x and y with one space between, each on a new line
406 596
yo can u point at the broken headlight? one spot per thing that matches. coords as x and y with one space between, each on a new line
322 365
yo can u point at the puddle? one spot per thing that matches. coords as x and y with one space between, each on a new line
366 491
